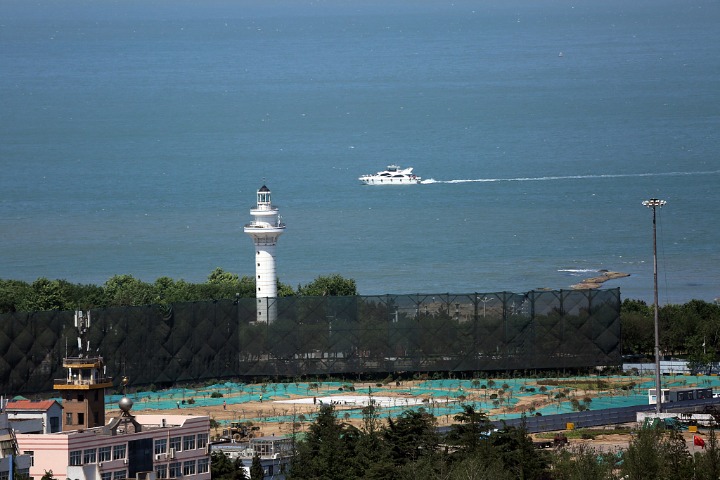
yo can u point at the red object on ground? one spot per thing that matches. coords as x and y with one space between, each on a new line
698 441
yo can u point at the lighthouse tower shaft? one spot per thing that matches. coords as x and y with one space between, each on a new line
265 230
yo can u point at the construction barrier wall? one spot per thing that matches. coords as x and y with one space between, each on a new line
200 341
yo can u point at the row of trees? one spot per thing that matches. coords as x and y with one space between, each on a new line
126 290
410 447
691 330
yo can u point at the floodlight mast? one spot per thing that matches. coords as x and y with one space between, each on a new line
654 203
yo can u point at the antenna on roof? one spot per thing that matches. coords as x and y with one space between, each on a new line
82 323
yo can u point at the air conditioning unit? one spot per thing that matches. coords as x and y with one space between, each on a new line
160 456
100 465
172 453
125 461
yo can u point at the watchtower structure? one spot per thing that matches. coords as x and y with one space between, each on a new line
265 230
83 388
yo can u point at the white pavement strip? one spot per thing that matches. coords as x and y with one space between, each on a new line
363 401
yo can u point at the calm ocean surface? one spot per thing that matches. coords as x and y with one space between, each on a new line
134 135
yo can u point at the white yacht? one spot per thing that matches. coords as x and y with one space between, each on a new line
394 175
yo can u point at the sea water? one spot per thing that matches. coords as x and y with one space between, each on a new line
134 135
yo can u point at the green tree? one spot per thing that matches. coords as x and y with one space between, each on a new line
284 290
220 277
44 295
222 284
656 454
513 447
256 469
707 462
222 468
478 468
471 432
126 290
332 285
12 294
410 436
583 462
327 451
372 456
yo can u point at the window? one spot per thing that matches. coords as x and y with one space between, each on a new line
76 457
4 475
119 452
81 419
175 444
202 440
106 476
90 456
54 424
161 471
203 465
68 419
160 446
189 467
189 442
120 475
31 454
104 454
175 471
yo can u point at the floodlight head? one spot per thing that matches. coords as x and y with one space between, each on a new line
654 202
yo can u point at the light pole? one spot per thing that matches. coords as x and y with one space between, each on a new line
654 203
484 300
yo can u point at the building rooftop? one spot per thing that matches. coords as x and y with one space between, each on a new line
30 405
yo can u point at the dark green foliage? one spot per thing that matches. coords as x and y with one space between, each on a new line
256 469
479 468
126 290
683 330
517 454
332 285
707 462
411 436
471 433
222 468
328 450
409 447
657 454
584 462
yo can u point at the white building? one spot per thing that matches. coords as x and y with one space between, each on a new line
265 230
275 454
26 416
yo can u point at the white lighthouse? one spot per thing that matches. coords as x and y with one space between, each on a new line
265 230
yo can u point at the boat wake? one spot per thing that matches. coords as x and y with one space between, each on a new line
570 177
578 271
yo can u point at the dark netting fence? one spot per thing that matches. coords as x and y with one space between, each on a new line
321 335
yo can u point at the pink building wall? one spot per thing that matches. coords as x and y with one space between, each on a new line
53 451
